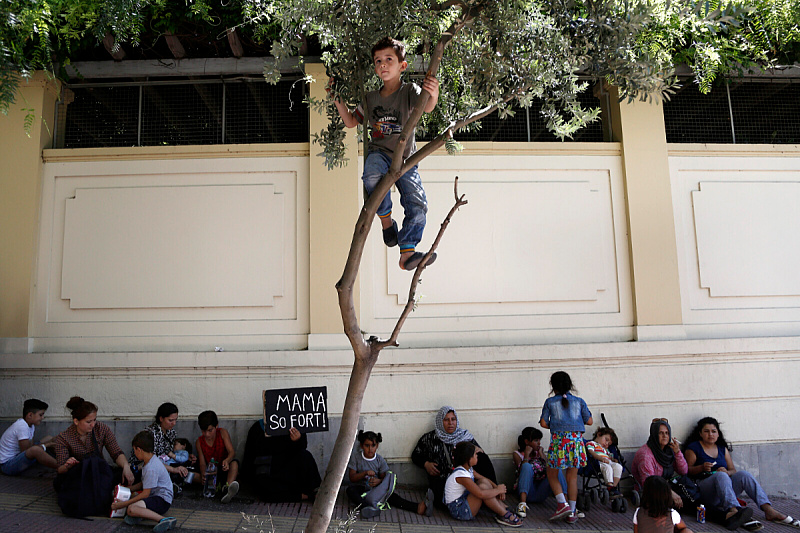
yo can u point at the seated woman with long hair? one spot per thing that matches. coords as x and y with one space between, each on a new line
708 455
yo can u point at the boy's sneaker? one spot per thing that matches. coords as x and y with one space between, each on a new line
562 510
230 491
377 497
176 490
416 258
370 512
572 518
132 520
522 509
165 524
390 235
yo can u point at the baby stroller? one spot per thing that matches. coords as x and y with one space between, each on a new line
594 485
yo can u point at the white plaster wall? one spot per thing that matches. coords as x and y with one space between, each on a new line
172 254
145 253
736 217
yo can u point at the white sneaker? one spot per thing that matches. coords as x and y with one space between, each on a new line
233 489
522 509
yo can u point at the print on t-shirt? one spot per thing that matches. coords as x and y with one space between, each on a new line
386 122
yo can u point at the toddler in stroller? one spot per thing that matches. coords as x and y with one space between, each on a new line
611 469
604 470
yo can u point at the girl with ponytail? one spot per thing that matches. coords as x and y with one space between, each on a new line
565 415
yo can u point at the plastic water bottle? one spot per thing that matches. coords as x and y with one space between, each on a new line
210 488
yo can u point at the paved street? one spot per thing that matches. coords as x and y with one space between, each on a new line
28 504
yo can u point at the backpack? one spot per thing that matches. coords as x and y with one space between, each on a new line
86 489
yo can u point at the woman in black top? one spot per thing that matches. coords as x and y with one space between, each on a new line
280 468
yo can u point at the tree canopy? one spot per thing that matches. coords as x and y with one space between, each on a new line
509 52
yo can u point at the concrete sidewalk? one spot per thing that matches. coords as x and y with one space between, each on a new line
28 504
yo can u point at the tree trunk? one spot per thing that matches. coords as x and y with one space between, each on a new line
329 490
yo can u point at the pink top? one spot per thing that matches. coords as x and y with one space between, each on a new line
645 465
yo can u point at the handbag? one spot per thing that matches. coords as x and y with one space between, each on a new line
687 489
86 489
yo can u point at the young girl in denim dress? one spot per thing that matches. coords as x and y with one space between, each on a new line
565 415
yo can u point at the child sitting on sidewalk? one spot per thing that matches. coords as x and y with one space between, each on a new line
466 490
373 484
215 443
17 449
386 113
155 497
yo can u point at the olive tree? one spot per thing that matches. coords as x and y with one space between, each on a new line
489 55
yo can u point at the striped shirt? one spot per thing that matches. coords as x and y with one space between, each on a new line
68 443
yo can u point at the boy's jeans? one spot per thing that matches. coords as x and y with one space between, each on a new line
412 198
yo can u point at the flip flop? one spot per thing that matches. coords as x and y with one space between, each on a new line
752 525
416 258
789 521
744 514
390 235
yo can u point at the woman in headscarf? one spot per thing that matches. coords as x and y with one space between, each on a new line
660 456
434 452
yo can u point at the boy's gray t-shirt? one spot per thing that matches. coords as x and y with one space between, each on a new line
386 116
359 464
156 478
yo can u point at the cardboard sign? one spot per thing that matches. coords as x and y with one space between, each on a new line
305 409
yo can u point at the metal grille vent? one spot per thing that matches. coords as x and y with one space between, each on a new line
199 112
528 125
750 112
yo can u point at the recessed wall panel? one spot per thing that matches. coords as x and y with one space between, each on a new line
748 243
178 247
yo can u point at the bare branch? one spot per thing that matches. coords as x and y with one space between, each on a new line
112 47
438 141
412 291
435 6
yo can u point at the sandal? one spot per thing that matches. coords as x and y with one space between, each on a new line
509 519
753 525
744 514
789 521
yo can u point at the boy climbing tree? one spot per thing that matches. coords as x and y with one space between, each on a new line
387 110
